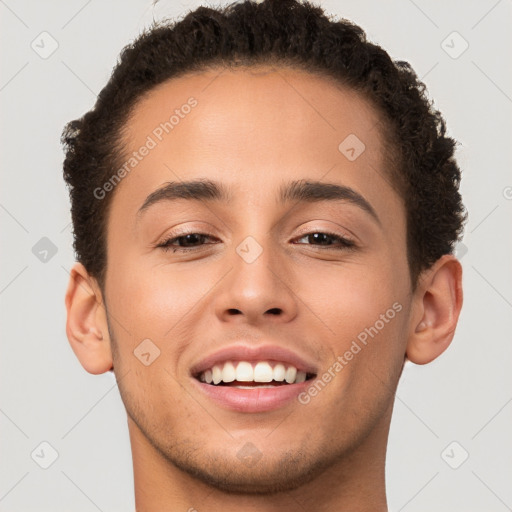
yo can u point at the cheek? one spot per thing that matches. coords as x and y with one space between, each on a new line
151 300
347 299
152 304
160 303
362 318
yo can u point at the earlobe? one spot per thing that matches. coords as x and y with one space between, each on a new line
437 308
86 325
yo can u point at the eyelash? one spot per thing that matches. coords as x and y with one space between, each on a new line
344 243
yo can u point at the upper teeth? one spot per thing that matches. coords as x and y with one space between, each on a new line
244 371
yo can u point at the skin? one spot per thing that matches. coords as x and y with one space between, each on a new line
255 130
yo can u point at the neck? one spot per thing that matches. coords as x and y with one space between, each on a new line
356 483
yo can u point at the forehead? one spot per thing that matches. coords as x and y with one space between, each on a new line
293 103
255 129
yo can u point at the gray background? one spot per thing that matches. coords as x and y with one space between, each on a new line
46 396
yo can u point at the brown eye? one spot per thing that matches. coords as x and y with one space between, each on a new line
328 240
185 242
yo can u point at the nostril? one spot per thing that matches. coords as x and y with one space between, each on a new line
274 311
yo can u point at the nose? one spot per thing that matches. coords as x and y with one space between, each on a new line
256 291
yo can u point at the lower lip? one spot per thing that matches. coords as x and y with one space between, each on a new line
252 400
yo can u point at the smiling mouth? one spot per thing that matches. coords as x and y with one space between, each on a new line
251 375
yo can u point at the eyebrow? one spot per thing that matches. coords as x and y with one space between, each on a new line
298 191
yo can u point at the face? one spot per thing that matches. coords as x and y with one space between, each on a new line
263 261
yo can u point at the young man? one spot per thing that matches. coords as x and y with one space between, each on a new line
265 208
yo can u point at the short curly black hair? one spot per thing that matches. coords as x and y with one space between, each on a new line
275 32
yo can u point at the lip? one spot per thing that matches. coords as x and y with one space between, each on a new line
252 400
251 353
257 399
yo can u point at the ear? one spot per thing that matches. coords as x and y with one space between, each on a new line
437 305
86 325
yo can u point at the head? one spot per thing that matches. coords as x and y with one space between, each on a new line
261 174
